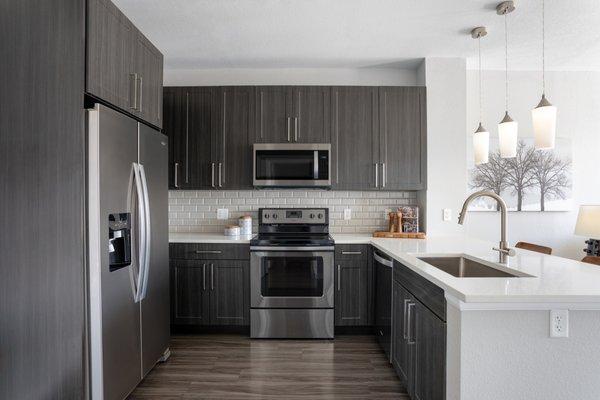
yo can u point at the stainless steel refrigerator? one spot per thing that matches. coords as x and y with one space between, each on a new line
128 251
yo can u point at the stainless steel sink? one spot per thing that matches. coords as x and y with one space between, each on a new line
463 267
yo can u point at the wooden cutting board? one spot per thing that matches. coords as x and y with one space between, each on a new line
400 235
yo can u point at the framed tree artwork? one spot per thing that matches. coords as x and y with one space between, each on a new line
534 180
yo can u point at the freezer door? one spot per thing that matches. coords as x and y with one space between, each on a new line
155 292
114 313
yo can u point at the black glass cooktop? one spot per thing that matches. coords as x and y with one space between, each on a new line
291 240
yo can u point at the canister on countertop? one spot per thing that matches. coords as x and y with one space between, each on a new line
245 223
232 230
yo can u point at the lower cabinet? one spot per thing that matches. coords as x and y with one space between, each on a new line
210 292
419 346
352 286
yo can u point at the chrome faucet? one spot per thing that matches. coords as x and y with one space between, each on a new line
503 248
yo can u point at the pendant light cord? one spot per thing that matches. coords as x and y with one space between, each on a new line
506 57
480 84
543 50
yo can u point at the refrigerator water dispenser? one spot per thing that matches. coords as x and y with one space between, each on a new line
119 240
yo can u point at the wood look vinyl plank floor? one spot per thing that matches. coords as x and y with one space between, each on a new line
235 367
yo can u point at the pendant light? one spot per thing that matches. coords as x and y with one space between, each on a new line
507 128
544 115
481 137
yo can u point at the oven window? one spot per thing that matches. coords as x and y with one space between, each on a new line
285 164
292 277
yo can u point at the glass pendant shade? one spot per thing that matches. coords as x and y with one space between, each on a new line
508 131
481 145
544 124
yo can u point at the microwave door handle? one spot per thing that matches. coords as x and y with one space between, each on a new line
288 129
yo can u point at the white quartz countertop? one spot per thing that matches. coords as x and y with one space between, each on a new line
553 279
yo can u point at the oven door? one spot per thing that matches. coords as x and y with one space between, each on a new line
292 165
291 279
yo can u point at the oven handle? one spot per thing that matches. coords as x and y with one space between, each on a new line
292 248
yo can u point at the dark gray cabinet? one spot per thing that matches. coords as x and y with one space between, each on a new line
210 284
311 117
430 355
273 114
176 127
355 137
233 135
352 285
402 137
201 115
402 345
123 67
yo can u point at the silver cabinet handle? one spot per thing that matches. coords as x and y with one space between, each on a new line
288 129
339 277
410 338
405 319
352 253
383 175
295 129
376 175
212 277
176 184
220 170
141 91
203 276
187 137
212 174
208 251
133 91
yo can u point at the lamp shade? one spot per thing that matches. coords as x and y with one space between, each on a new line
481 145
508 132
544 124
588 222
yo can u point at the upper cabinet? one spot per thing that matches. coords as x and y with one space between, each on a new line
123 67
293 114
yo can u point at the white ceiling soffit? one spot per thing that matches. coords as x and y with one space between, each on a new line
196 34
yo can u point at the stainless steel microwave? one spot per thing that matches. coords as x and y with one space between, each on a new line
292 165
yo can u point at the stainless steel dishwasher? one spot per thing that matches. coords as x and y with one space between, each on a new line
383 301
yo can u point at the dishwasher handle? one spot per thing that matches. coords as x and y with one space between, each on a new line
383 261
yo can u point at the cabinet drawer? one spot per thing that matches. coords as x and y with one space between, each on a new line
209 251
351 251
426 292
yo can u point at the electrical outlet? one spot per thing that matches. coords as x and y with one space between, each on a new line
559 323
347 214
222 213
447 214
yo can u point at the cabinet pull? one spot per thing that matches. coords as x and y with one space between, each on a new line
405 318
141 91
383 175
133 91
208 251
212 173
410 338
212 277
176 184
187 137
203 276
220 170
295 129
352 253
288 129
339 277
376 175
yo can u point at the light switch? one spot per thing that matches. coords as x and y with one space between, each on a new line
222 213
447 214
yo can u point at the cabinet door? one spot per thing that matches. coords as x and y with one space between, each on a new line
402 138
229 292
109 54
189 294
351 299
355 137
383 307
234 135
402 347
175 127
148 65
273 119
201 167
311 121
430 355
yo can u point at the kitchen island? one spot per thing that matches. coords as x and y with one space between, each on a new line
498 335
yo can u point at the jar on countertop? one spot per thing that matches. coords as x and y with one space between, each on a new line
245 223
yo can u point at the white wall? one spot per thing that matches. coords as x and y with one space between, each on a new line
577 96
291 76
445 79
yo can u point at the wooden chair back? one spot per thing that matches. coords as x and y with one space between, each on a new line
534 247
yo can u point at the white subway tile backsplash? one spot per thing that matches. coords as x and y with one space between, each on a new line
196 211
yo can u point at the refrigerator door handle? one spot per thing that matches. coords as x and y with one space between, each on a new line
148 232
141 219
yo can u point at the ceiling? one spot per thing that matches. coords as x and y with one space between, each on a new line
195 34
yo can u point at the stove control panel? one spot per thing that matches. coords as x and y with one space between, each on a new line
311 216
